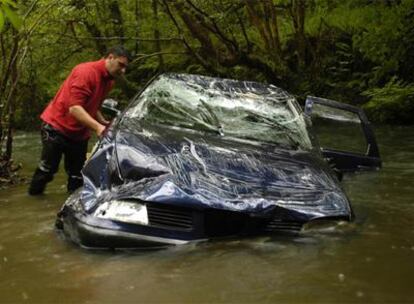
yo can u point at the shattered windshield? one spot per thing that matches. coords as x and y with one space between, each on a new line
230 108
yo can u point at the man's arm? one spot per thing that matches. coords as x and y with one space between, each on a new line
87 120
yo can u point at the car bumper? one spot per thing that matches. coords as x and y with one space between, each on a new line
163 230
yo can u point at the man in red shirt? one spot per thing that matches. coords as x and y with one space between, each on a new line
72 114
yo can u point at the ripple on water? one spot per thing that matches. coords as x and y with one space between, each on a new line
252 270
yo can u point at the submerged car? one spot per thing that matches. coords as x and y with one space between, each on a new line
196 158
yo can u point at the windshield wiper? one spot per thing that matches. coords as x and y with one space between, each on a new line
263 119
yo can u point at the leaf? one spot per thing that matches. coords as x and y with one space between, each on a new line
10 3
15 19
1 20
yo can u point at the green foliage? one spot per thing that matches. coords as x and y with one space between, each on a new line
7 13
1 20
347 48
391 103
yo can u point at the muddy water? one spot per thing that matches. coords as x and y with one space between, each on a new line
371 260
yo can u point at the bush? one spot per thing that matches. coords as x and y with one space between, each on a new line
392 103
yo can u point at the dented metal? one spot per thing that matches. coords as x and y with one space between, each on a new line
204 143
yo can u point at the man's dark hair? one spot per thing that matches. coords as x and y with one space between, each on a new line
119 51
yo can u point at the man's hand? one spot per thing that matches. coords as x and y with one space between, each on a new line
87 120
100 130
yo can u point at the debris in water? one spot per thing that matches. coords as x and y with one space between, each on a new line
25 296
341 277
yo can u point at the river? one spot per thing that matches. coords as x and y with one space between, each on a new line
372 261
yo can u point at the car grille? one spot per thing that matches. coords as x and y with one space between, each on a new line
220 223
278 225
170 217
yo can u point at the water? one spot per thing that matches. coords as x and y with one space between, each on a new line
370 261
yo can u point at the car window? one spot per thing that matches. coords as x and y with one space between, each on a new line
230 108
349 135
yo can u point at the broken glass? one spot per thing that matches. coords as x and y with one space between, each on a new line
235 109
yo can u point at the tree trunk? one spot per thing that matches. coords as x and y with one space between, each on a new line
92 28
263 17
298 9
157 35
11 111
117 19
137 18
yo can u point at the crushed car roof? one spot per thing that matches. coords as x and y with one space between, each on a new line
241 109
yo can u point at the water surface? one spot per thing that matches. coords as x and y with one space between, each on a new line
371 260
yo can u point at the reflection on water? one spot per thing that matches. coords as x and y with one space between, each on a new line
370 260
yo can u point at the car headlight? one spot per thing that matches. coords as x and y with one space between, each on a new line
123 211
328 204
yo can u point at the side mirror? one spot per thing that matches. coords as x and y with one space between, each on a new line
109 107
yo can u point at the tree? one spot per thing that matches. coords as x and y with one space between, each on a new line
15 36
11 55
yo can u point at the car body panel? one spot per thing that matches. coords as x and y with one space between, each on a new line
198 174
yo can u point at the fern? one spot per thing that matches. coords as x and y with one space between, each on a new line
393 102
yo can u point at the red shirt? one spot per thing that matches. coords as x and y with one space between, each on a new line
87 86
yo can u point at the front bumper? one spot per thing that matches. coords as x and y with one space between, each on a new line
173 225
90 232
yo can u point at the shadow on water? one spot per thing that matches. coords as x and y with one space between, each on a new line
370 260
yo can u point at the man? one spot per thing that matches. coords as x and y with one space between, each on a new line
72 114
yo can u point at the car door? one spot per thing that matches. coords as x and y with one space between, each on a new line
345 135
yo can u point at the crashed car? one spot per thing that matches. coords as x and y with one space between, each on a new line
196 158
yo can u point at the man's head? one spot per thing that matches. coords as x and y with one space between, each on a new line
116 60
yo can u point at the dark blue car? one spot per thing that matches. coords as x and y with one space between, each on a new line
196 158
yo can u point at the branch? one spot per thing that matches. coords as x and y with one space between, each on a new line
180 32
215 29
73 31
61 60
124 38
3 57
30 9
13 56
40 18
14 53
243 28
145 56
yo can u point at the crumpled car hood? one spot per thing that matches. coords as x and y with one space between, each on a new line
168 166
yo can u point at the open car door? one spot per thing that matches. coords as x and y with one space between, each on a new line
344 133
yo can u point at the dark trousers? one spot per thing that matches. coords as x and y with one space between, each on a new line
54 146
